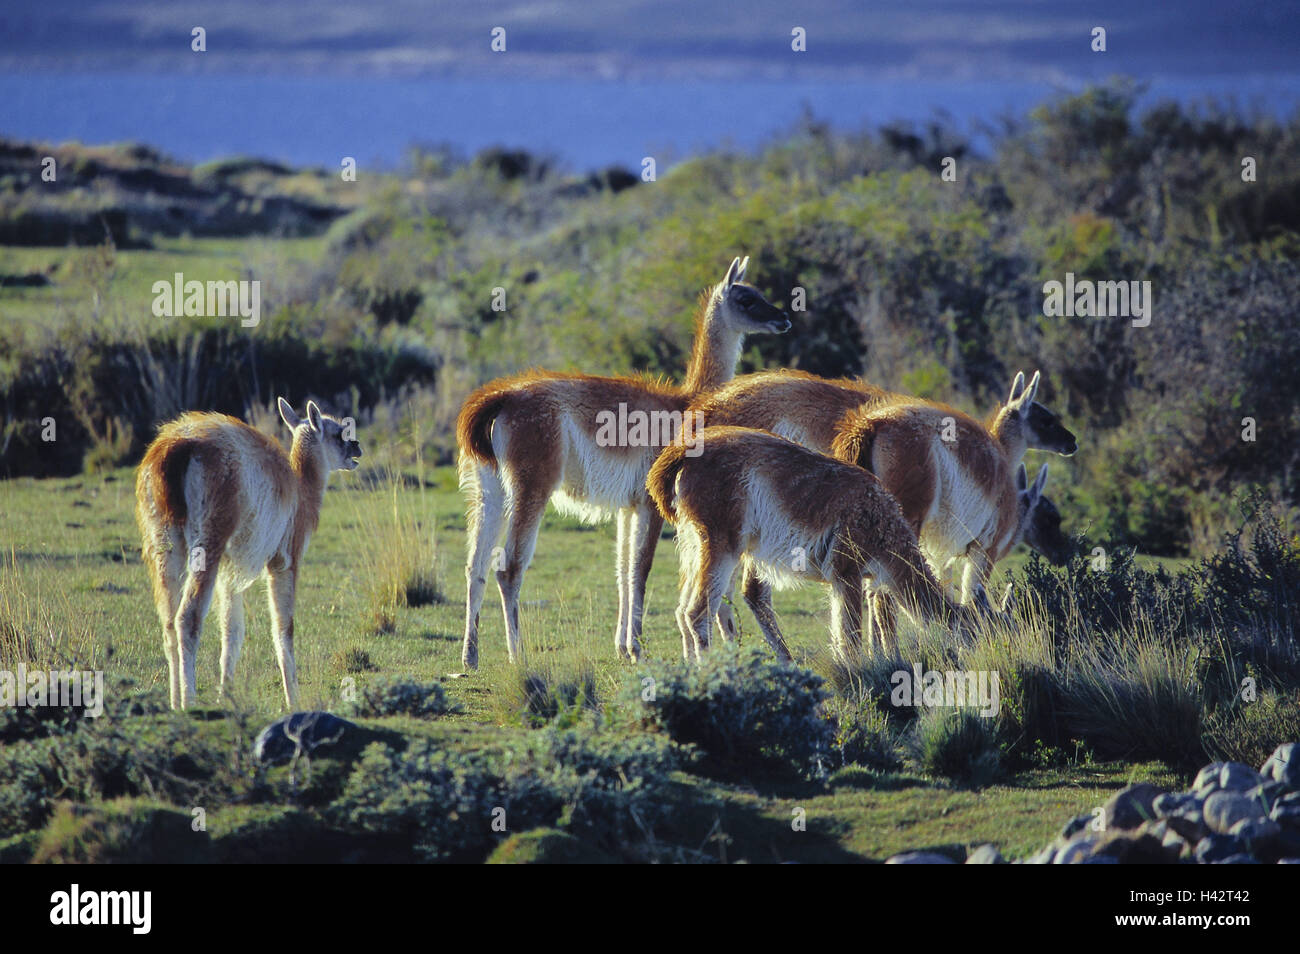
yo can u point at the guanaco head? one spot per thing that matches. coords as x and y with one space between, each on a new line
743 308
1040 521
331 435
1024 419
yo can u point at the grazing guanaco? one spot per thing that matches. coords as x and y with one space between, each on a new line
220 504
813 411
789 513
545 436
955 480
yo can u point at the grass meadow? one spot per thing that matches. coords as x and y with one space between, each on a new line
73 582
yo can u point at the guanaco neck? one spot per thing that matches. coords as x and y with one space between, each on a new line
715 351
1010 438
312 474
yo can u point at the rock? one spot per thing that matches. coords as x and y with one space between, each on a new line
1207 779
1288 861
312 729
1076 851
1176 845
1238 859
1075 825
1288 816
1267 793
1044 857
985 855
1189 824
1129 849
1171 803
1238 777
1225 809
1252 830
1213 848
1130 807
1284 765
920 858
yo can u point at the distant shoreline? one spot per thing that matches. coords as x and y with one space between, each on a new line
586 124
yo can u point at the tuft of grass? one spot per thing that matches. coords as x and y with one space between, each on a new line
397 555
1137 695
956 744
1250 731
352 659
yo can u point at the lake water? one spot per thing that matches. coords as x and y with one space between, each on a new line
586 123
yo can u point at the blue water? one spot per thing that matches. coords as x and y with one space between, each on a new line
585 123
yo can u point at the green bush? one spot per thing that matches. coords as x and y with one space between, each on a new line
122 831
444 804
957 744
400 696
744 712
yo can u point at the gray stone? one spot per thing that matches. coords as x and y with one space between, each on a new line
312 729
1172 803
1190 824
1214 848
1286 815
1267 793
1076 850
1130 807
1075 825
1238 859
1207 779
1284 765
920 858
985 855
1252 830
1238 777
1225 809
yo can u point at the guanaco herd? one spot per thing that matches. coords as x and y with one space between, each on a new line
884 496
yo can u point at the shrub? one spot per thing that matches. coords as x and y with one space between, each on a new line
745 712
444 803
957 744
398 696
124 831
864 735
119 754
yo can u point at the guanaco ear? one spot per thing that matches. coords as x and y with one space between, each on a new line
1022 478
740 272
1040 482
1017 386
1031 392
313 417
287 414
734 273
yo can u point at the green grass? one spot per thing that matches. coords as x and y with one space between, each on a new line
135 270
72 575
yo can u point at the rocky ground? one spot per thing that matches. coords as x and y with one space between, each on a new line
1232 815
